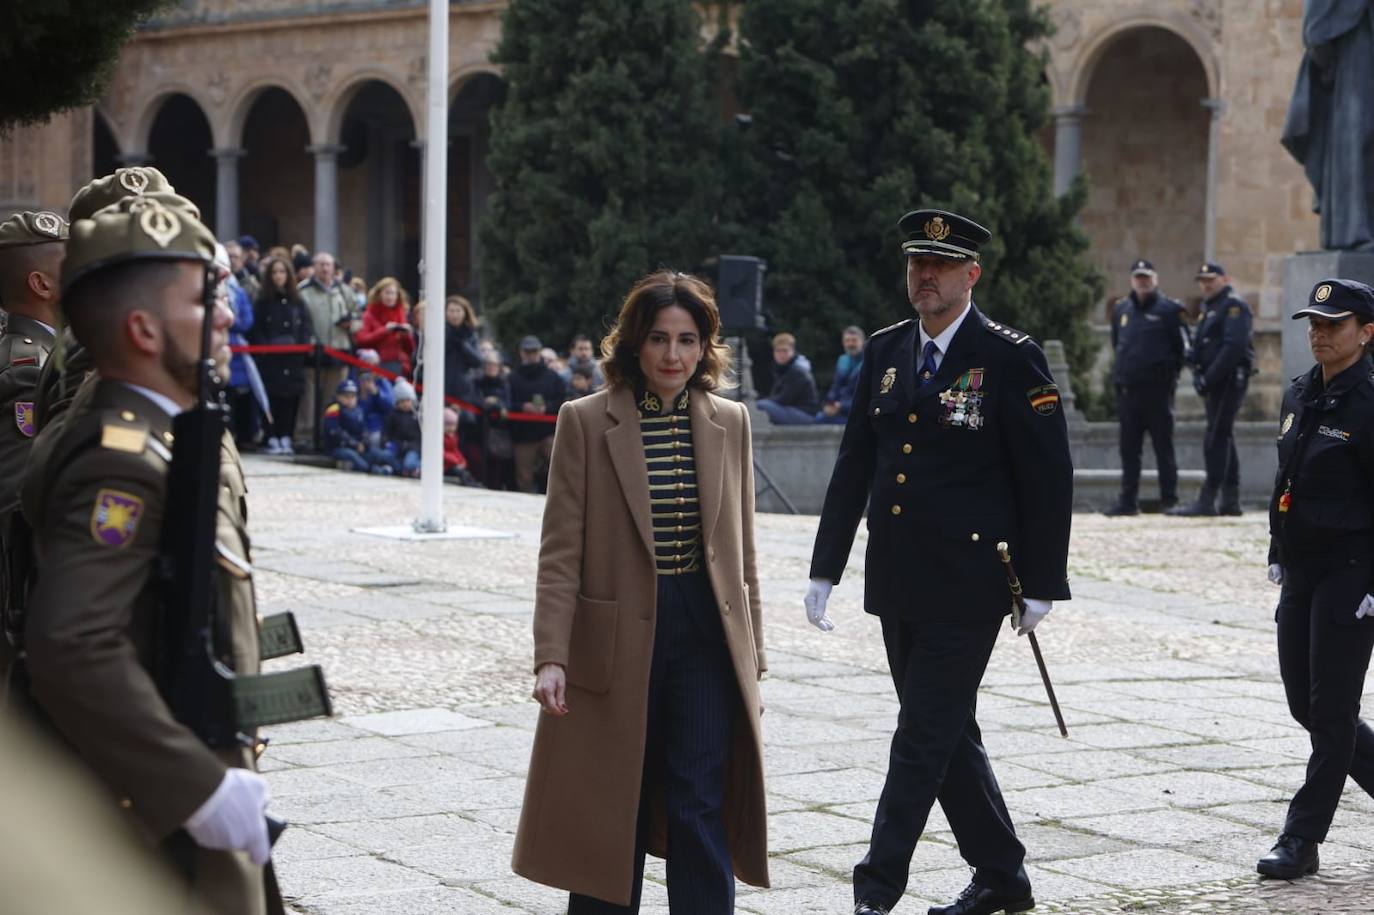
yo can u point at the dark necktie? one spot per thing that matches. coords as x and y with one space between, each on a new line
928 367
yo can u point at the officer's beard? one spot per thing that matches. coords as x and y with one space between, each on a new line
181 366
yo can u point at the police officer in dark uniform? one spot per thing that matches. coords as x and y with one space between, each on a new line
956 441
1150 340
1321 526
31 247
1221 361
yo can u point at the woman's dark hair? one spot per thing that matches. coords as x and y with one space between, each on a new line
655 292
269 292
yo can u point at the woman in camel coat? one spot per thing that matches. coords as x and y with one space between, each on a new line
648 641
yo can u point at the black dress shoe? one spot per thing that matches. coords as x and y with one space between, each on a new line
869 908
1121 509
1198 509
1290 858
982 900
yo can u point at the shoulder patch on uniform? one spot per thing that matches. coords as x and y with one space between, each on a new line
890 327
115 517
1003 332
23 417
1044 399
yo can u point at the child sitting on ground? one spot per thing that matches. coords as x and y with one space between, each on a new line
345 434
455 465
402 429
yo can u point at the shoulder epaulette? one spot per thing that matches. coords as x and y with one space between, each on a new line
1009 334
121 430
890 327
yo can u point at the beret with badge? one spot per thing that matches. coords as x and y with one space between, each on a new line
943 234
135 228
134 181
1334 299
30 228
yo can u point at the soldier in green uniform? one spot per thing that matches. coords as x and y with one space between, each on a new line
31 247
133 285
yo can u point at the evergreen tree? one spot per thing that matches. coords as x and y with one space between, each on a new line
59 54
604 156
863 109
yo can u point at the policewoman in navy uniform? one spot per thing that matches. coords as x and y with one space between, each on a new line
956 440
1221 359
1150 341
1321 550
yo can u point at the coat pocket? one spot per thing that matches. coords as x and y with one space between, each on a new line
591 648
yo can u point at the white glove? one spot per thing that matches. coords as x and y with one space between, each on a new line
817 593
1366 607
234 818
1276 574
1036 610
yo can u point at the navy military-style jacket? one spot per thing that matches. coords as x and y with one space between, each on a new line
946 470
1221 343
1149 338
1324 491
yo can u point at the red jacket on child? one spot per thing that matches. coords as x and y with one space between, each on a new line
452 456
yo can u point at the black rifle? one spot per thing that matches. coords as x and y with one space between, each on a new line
196 677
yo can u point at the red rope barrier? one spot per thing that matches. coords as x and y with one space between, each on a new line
350 359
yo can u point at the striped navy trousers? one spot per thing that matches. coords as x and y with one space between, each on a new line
693 700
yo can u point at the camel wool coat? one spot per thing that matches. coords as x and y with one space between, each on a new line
594 614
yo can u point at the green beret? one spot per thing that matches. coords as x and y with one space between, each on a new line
29 228
136 228
125 182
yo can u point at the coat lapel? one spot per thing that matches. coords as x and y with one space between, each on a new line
625 443
708 452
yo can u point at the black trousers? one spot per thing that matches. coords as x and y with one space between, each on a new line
284 410
937 754
693 701
1323 655
1219 442
1142 408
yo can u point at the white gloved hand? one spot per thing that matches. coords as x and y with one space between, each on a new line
1036 610
1366 607
1276 574
234 818
817 593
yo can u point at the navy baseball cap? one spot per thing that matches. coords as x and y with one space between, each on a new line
347 386
1143 267
1335 299
1210 270
248 242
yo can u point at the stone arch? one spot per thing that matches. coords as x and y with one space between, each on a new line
105 149
179 143
470 183
242 105
276 171
1085 63
460 78
1145 149
141 126
337 104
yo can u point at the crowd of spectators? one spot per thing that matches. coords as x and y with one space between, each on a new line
794 400
370 422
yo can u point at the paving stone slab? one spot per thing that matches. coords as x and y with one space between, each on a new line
1143 867
415 721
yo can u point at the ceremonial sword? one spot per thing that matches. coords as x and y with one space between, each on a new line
1019 608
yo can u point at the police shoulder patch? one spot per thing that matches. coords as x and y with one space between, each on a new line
115 517
23 417
1044 399
889 328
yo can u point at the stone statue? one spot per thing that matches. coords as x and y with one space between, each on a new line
1330 126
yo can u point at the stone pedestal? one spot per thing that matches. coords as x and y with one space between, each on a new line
1301 272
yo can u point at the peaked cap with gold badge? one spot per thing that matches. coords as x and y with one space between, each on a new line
30 228
942 233
136 228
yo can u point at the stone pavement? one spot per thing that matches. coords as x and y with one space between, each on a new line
1175 776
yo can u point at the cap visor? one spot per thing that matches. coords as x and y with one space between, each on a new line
915 250
1317 311
1144 273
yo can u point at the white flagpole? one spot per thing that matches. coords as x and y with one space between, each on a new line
431 519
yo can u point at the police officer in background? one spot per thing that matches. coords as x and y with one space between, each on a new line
1221 361
1321 526
31 247
956 440
1150 341
133 284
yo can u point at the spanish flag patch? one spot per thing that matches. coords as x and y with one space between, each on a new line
1044 399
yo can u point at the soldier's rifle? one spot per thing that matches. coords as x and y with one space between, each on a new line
196 677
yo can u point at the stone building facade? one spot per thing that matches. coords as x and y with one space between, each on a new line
300 120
